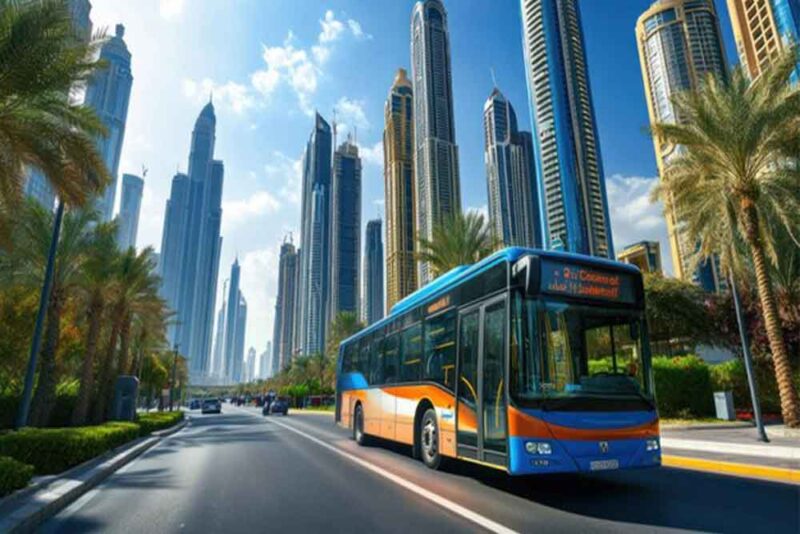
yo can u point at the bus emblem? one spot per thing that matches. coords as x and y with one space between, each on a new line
603 446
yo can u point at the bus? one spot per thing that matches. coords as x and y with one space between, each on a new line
527 361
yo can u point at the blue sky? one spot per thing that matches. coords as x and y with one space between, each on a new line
271 63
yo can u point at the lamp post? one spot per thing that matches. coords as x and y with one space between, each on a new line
174 369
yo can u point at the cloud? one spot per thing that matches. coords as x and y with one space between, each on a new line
372 155
284 175
350 116
171 8
259 284
232 95
357 31
480 210
331 28
238 212
633 217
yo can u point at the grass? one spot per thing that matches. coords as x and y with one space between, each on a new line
695 421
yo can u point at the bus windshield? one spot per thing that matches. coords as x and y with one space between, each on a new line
562 350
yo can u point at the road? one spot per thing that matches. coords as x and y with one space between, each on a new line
238 471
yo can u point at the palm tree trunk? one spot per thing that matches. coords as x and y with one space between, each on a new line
94 313
45 397
790 406
123 362
105 387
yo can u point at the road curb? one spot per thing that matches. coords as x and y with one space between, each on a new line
34 505
707 426
778 474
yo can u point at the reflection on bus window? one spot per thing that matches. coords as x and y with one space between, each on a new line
440 349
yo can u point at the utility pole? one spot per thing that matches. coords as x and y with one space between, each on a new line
174 370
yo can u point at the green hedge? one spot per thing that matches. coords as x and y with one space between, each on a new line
732 376
14 475
60 416
155 421
53 450
683 387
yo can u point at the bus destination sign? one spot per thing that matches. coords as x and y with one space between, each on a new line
586 282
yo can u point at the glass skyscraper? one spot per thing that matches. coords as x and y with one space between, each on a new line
129 207
283 327
510 176
438 194
565 142
373 272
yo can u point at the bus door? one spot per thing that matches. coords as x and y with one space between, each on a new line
481 404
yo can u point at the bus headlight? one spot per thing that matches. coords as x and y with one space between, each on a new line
534 447
652 445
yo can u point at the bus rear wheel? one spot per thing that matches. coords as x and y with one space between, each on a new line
429 440
358 426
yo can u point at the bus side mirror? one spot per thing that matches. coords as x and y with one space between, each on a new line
525 275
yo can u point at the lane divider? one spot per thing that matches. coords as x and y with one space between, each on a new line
730 468
447 504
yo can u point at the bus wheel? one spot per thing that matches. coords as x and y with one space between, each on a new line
429 440
358 426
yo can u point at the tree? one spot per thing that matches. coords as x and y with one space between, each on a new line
42 63
735 182
459 240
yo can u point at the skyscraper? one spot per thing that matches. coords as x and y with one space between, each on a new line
315 227
373 272
438 194
399 187
680 44
250 375
108 93
129 207
191 245
265 362
218 360
510 176
646 255
565 143
283 327
762 28
236 357
345 231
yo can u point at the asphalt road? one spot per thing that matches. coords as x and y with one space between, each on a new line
240 472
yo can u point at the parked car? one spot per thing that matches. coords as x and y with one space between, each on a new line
212 406
194 404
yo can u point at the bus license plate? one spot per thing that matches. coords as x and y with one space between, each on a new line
603 465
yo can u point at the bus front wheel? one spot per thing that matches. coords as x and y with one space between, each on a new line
358 426
429 440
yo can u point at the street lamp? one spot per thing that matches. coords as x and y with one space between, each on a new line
174 369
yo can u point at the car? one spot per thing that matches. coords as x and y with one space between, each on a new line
278 406
194 404
211 406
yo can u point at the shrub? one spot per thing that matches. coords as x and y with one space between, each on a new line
153 422
66 397
683 387
732 376
53 450
13 475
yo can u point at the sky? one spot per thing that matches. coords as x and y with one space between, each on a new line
271 63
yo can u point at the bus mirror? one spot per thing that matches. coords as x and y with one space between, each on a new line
523 275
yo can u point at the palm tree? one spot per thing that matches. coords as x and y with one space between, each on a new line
736 180
42 62
460 240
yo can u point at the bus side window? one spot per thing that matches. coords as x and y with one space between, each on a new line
376 361
440 349
347 358
411 368
391 355
363 357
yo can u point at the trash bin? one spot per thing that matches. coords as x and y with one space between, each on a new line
125 393
723 402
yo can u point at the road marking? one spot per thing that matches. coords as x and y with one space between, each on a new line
731 468
770 451
447 504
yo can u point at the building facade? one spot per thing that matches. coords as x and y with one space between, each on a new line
285 309
130 206
373 309
315 240
265 362
237 356
399 187
680 45
646 255
510 176
762 29
231 320
108 93
437 192
250 373
565 141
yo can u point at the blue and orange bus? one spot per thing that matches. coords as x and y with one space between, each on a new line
527 361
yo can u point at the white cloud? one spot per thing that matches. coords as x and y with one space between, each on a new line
379 201
331 28
171 8
259 281
350 116
633 217
480 210
284 175
357 31
232 95
238 212
372 155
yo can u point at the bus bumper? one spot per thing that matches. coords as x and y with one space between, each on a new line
581 455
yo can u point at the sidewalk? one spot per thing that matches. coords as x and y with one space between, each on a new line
735 451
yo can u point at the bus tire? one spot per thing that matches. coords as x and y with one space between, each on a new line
358 426
429 440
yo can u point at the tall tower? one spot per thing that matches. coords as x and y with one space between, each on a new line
399 187
129 207
762 28
231 319
565 143
373 272
680 44
510 176
316 233
108 93
345 231
285 312
236 358
438 194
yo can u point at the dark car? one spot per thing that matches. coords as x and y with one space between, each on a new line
194 404
211 406
276 406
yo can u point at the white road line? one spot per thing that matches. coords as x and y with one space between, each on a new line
447 504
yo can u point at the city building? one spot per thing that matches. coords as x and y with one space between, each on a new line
646 255
510 176
250 372
296 334
265 362
315 239
231 321
762 29
680 44
399 187
373 273
130 206
218 359
108 93
191 244
565 143
345 246
285 308
237 356
437 193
